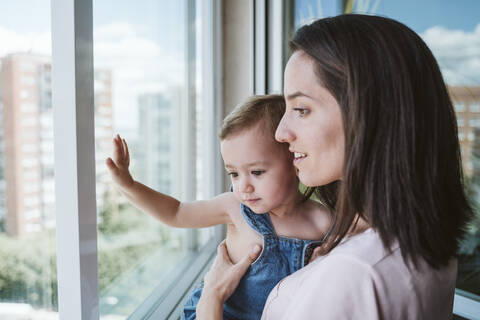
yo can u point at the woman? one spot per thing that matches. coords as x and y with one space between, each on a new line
374 132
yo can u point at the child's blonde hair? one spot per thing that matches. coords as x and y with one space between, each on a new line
268 109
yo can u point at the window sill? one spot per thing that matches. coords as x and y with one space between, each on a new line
166 300
466 305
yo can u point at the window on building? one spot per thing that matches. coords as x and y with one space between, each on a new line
475 107
459 107
474 123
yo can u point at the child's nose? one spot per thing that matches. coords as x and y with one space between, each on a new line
246 187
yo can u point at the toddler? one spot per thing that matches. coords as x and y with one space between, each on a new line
265 207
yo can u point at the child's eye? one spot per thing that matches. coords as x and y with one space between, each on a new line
302 112
233 174
257 172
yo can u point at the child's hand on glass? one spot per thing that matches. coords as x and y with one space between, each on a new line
118 166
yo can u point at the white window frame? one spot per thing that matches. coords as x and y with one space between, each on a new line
270 35
72 99
466 305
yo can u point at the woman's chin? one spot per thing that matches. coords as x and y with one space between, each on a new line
311 179
306 179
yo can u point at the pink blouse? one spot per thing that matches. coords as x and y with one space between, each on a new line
359 279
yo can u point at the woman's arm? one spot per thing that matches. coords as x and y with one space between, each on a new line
220 282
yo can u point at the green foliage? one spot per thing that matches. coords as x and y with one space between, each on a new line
28 271
110 219
113 263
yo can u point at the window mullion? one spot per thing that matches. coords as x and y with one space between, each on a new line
189 144
72 99
212 101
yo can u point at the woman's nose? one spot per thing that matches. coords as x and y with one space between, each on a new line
283 133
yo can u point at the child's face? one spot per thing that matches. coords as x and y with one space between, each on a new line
262 174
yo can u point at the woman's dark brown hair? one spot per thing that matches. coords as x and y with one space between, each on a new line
402 170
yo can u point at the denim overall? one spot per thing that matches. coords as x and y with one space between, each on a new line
280 257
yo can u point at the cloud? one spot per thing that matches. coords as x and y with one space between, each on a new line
139 65
34 42
457 53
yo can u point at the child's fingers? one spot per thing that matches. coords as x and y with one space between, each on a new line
117 151
111 164
127 153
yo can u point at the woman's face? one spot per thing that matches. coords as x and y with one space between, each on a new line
312 124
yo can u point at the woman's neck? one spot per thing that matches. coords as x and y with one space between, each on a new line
359 226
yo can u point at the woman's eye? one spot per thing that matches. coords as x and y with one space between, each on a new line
301 111
257 172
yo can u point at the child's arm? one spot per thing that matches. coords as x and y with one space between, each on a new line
197 214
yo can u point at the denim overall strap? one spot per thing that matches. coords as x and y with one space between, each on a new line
310 245
259 222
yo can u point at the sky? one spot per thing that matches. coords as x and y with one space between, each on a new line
143 41
451 29
418 15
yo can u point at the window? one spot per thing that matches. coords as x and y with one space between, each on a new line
28 289
474 123
475 107
447 28
144 63
29 121
28 107
24 94
459 107
27 80
145 88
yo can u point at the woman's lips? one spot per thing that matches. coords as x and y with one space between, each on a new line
298 157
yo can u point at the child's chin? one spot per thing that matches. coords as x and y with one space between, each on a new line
258 210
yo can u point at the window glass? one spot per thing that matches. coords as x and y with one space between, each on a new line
451 29
146 89
28 280
475 107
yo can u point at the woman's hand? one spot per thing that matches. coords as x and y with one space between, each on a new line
118 166
221 280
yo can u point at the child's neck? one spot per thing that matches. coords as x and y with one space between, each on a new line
289 207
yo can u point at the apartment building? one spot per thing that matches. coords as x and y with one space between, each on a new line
27 154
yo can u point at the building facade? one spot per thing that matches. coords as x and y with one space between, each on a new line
27 188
